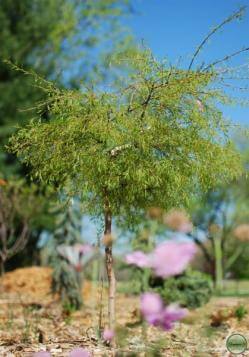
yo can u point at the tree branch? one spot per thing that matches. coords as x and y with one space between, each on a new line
229 19
226 58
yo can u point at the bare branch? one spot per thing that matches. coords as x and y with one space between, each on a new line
226 58
236 15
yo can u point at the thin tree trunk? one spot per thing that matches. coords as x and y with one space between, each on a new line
2 267
218 264
110 272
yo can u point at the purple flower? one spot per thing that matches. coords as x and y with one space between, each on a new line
138 258
156 314
108 334
171 258
79 352
41 354
171 314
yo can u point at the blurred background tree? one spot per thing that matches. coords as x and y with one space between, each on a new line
66 40
217 216
23 210
66 280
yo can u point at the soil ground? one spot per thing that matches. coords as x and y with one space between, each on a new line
32 320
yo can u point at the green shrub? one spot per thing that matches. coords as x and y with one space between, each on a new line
240 312
191 289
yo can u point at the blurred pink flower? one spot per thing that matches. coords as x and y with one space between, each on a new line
168 259
108 334
151 306
41 354
171 314
156 314
138 258
79 352
171 258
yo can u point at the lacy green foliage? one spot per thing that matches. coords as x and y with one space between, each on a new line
147 144
51 36
66 281
192 289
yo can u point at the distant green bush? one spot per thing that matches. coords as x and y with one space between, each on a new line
191 289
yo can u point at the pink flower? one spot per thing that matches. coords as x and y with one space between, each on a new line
171 314
79 352
108 334
171 258
156 314
41 354
138 258
151 306
168 259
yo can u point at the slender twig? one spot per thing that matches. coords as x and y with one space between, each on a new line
230 18
226 58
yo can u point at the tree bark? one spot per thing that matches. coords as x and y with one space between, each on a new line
110 272
218 264
2 267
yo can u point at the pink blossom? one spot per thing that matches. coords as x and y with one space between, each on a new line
138 258
79 352
171 258
156 314
151 306
108 334
41 354
168 259
171 314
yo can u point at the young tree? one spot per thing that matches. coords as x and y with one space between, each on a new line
152 142
148 144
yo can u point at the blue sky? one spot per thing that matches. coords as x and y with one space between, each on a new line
173 29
